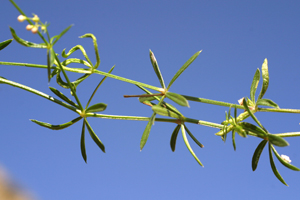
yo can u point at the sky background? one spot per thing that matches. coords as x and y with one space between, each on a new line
235 36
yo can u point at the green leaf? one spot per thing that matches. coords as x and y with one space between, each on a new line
165 112
157 70
255 129
254 85
288 165
98 107
233 139
95 47
276 173
252 115
147 131
57 37
174 137
193 137
75 48
26 43
257 154
177 98
63 97
82 143
188 145
265 75
5 43
267 102
278 141
56 127
94 136
179 72
50 61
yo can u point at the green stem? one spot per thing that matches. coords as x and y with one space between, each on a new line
29 89
290 134
280 110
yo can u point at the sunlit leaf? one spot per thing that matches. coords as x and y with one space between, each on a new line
147 131
267 102
63 97
278 141
56 127
288 165
57 37
156 69
5 43
174 137
276 173
50 61
95 47
24 42
255 129
179 72
252 115
188 145
177 98
254 85
165 112
193 137
257 153
98 107
94 136
82 143
265 76
233 140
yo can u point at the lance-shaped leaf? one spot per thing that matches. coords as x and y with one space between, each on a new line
278 141
184 66
276 173
57 37
265 76
24 42
174 138
98 107
252 115
82 143
56 127
147 131
50 61
95 47
63 97
94 136
267 102
5 43
72 50
193 137
254 85
156 69
177 98
233 139
165 112
257 153
255 129
188 145
288 165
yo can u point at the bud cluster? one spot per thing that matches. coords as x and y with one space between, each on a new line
33 28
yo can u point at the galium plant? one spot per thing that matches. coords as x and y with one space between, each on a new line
59 69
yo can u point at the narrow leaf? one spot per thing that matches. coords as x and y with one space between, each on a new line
267 102
233 140
63 97
82 143
188 145
50 61
257 153
252 115
265 76
278 141
276 173
98 107
177 98
254 85
156 69
179 72
174 137
255 129
24 42
57 37
193 137
56 127
95 47
288 165
147 131
94 136
5 43
165 112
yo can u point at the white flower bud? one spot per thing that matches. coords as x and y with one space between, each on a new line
286 158
34 29
29 27
21 18
36 18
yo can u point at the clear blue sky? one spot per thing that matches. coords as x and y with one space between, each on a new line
235 36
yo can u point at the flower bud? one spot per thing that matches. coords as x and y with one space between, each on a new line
286 158
29 27
34 29
21 18
36 18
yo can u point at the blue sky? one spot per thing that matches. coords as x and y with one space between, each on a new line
235 36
